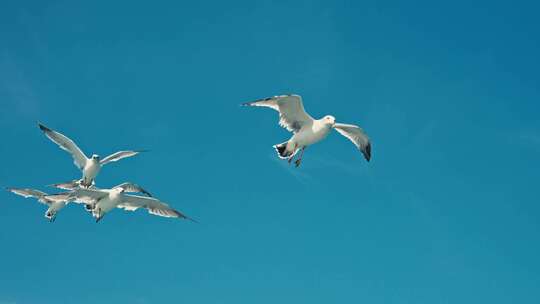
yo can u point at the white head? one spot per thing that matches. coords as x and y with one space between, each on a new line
118 190
95 157
51 215
329 120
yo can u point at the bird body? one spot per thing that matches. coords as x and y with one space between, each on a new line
90 171
107 203
311 133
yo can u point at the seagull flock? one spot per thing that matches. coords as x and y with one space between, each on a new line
99 201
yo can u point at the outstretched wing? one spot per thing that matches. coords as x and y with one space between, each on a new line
154 206
357 136
292 115
25 192
118 156
87 196
72 185
130 187
66 144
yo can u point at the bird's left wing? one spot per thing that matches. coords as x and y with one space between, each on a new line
118 156
154 206
130 187
72 185
357 136
25 192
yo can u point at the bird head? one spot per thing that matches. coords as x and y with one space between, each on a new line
95 157
119 190
51 215
329 120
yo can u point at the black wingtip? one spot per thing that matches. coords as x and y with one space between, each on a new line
43 127
367 152
245 104
182 216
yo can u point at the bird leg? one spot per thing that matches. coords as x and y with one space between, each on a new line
299 160
98 217
292 156
290 159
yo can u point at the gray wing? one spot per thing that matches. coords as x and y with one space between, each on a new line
154 206
130 187
118 156
72 185
25 192
292 115
66 144
357 136
59 197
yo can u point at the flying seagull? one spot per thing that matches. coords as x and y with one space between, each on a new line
55 202
90 167
307 130
101 201
89 204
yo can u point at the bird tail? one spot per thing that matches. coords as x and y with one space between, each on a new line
283 151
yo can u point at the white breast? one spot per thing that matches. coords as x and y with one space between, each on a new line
311 134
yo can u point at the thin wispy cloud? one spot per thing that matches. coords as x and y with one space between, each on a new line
299 175
21 99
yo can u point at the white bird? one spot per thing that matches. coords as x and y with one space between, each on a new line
90 167
101 201
55 202
307 130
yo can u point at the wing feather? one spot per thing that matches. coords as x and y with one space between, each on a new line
154 206
66 144
130 187
292 115
357 136
118 156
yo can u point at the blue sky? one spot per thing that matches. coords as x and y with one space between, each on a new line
447 211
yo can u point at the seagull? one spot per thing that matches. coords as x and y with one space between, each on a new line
55 202
307 130
89 205
101 201
90 167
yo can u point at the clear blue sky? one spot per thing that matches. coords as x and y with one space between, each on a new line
447 211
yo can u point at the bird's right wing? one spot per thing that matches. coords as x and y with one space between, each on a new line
66 144
154 206
292 115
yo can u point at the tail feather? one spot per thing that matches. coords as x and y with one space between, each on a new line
282 151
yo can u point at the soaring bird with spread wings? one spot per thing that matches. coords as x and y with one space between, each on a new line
101 201
90 167
307 130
